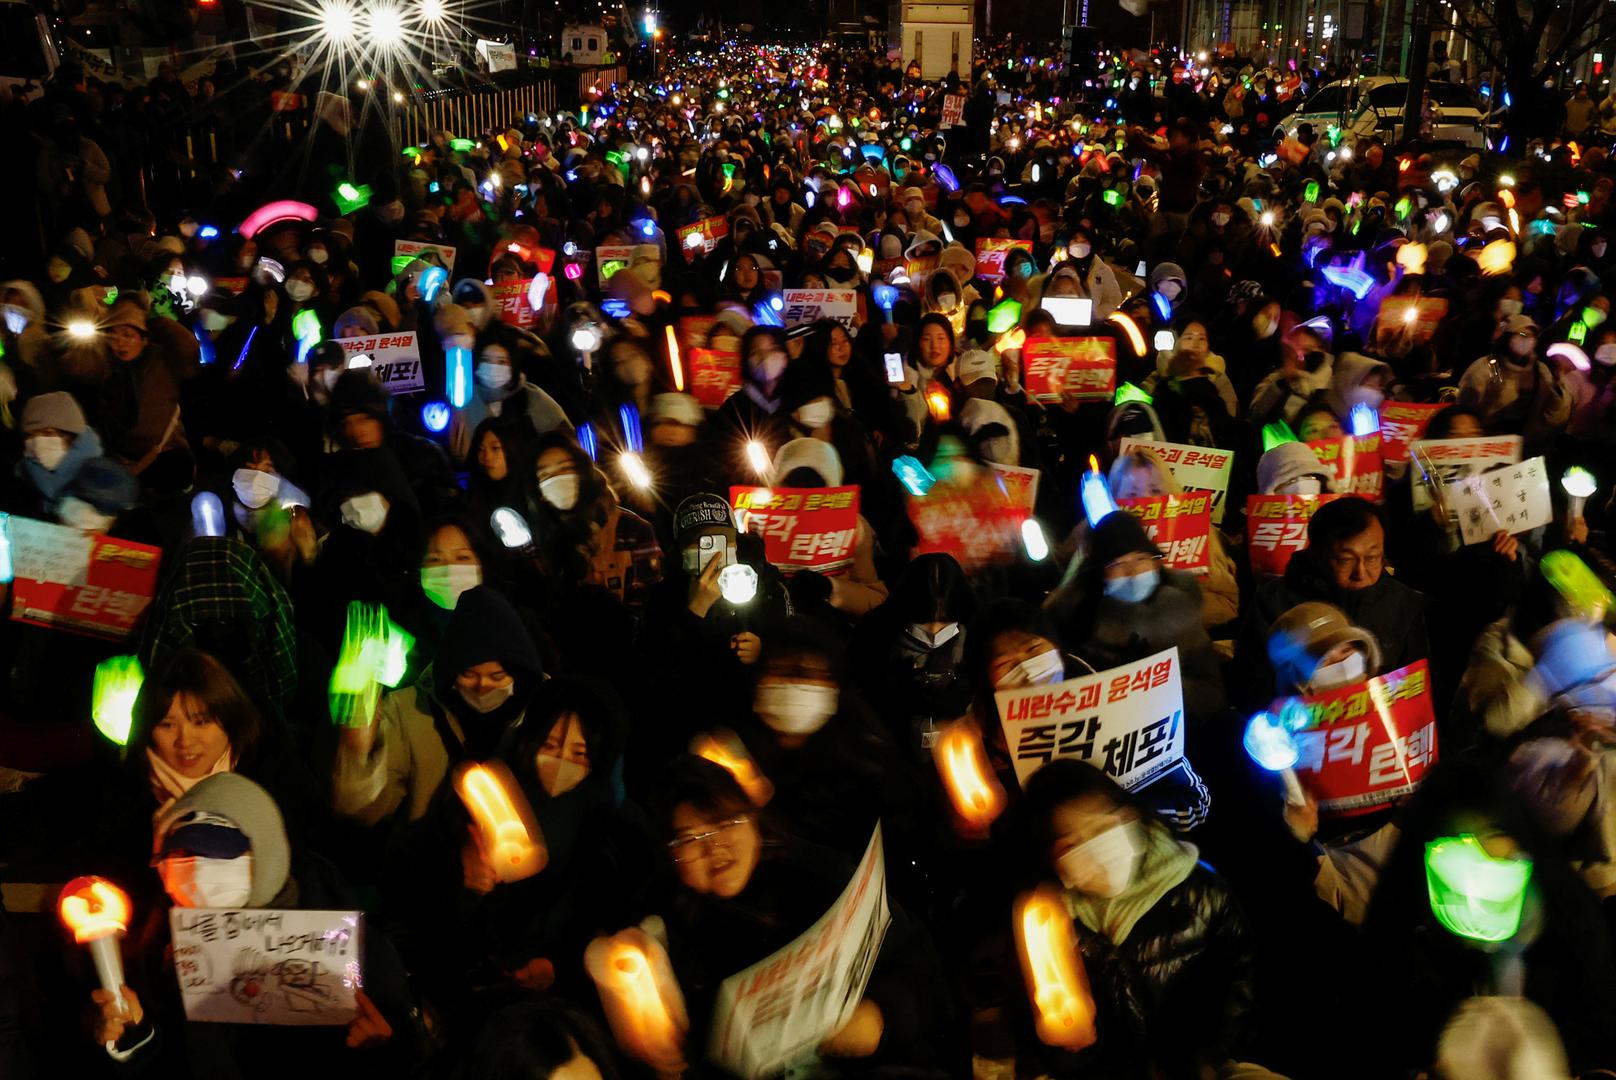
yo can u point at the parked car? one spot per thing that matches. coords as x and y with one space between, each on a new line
1374 105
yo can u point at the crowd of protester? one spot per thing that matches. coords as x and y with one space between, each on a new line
546 522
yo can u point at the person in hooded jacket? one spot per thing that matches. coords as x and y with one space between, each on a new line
358 420
57 445
223 844
485 672
139 399
1514 390
502 388
586 538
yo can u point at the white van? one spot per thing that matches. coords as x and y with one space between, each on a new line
1374 105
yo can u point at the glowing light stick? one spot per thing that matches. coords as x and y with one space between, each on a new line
1496 258
945 177
81 329
1574 355
511 838
1096 494
306 328
885 296
586 439
1163 340
5 549
1270 743
1003 316
1112 197
1363 420
1578 483
586 338
464 146
207 515
1163 306
98 912
738 584
112 697
350 197
271 213
914 476
510 527
757 456
1276 434
962 761
374 653
1033 540
635 470
1474 895
937 404
724 749
459 359
1352 277
431 280
1310 194
1057 982
1135 337
1577 584
1129 392
865 260
435 416
674 362
640 996
1411 257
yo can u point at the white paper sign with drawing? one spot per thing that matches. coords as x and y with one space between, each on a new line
776 1012
1507 498
268 966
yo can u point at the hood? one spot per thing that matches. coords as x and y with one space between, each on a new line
51 483
1352 368
1167 271
485 627
811 454
32 300
252 810
1287 462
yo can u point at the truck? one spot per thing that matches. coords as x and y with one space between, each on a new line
935 36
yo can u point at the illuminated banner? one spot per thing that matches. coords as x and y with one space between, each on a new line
802 528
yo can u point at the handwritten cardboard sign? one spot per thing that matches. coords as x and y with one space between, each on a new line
267 966
1508 498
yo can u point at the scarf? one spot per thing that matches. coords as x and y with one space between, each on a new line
168 784
1165 864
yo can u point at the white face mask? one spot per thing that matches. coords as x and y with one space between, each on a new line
78 514
214 321
1220 220
1350 669
195 881
329 377
770 368
1103 865
444 584
1597 249
318 256
946 301
1047 667
560 491
1170 289
48 450
367 512
795 708
255 487
493 699
816 414
299 290
1302 485
1605 355
1079 249
16 318
494 376
1508 307
557 775
929 640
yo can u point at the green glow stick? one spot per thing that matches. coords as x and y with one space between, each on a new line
1277 433
350 197
1129 392
1003 317
1474 895
375 653
1576 584
463 145
117 684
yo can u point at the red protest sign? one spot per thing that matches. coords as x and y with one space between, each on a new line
1085 366
1403 422
695 329
802 528
1368 743
1276 528
1416 316
77 581
701 237
714 375
511 300
1353 462
953 111
991 253
1181 525
971 519
1020 485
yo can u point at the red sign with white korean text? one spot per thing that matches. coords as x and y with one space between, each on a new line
953 111
1181 525
1368 743
1196 468
1276 528
1353 463
78 581
991 253
802 528
695 329
971 519
1403 422
1020 485
701 237
1085 366
511 300
714 375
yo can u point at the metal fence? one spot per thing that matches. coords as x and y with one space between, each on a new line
472 111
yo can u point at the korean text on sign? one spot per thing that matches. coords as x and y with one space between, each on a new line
77 581
1196 468
610 258
510 299
1440 461
776 1012
1509 498
406 250
803 306
1128 721
1353 464
991 253
714 375
1084 366
395 359
268 965
972 519
1180 525
701 237
1368 743
1404 422
802 528
1276 528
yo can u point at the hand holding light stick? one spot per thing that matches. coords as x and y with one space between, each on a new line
1095 493
510 834
1057 982
640 996
97 912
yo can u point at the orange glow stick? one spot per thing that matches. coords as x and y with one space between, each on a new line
641 997
937 402
1053 967
962 761
1136 337
725 750
511 836
97 912
677 364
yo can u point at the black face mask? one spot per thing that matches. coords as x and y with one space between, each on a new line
1313 361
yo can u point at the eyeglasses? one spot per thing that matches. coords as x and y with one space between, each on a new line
687 849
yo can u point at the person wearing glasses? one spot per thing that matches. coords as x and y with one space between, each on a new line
742 889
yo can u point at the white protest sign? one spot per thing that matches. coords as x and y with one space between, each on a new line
610 258
776 1012
405 250
1128 721
1196 468
1511 498
499 55
810 305
395 359
267 966
1444 460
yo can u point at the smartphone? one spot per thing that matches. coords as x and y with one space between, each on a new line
1069 310
708 547
894 363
